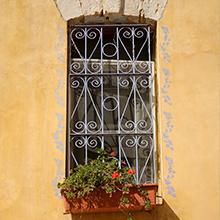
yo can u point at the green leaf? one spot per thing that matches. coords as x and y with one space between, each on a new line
147 204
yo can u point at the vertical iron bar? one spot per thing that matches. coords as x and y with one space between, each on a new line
135 104
102 89
151 82
154 127
68 149
85 107
118 96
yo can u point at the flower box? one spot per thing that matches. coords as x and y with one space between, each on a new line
99 201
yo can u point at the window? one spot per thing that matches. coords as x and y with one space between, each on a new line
111 96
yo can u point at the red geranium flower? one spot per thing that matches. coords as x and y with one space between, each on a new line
115 175
113 154
130 171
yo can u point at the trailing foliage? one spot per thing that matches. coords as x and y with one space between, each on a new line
102 172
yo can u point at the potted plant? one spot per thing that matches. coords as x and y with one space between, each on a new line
101 186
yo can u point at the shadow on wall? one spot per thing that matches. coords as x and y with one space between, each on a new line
163 212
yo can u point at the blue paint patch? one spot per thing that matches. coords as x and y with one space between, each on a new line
170 190
165 43
167 116
57 178
59 45
168 129
59 88
59 132
166 85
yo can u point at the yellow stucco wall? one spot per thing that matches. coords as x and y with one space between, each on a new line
32 111
194 49
32 76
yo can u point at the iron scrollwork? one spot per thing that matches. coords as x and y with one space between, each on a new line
111 104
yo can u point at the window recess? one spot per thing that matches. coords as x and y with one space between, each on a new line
111 96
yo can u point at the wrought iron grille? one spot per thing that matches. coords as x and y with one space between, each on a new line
111 97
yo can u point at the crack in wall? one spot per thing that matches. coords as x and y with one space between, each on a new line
122 7
80 3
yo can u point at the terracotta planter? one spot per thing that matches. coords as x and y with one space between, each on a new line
99 201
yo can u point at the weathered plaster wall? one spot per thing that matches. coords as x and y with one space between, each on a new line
189 71
32 111
32 96
71 9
